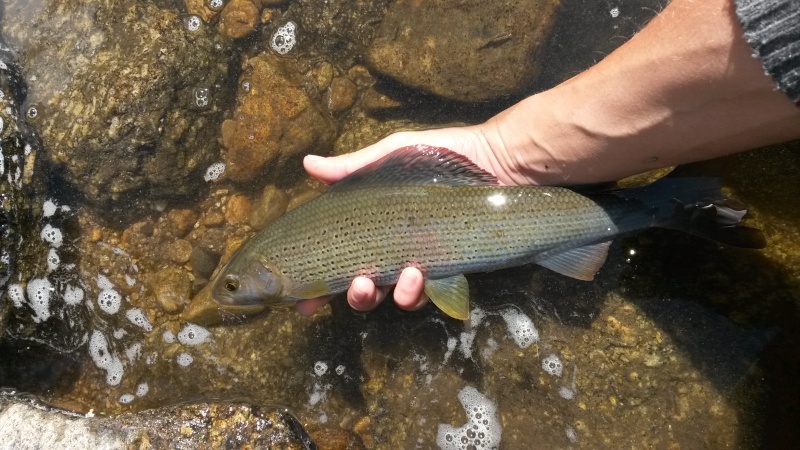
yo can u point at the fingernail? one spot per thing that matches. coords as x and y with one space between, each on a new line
314 158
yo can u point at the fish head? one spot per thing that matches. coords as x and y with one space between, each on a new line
240 288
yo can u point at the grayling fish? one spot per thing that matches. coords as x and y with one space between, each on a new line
433 209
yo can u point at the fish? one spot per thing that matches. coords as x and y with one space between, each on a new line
434 209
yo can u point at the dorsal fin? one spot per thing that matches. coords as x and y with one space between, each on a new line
418 164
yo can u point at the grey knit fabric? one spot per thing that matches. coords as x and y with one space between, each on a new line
772 28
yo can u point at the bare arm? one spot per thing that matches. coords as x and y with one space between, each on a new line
684 89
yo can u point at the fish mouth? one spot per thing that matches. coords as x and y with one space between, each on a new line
204 310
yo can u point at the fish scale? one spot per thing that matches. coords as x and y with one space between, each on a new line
443 230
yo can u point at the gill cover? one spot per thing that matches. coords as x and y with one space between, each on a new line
252 285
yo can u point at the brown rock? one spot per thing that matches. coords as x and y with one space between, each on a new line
179 251
172 289
270 205
342 94
469 50
213 219
274 121
238 209
182 220
239 18
337 439
375 101
201 8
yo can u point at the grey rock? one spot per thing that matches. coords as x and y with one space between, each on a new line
26 423
468 50
128 97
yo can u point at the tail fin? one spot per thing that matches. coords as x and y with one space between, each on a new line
696 206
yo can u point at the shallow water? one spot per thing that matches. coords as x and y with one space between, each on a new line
115 220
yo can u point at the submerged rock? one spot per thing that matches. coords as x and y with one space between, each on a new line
127 96
275 123
463 50
28 424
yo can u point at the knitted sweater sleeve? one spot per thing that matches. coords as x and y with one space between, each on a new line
772 28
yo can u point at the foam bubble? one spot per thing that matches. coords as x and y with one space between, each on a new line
39 292
17 295
482 430
552 365
138 318
339 369
53 261
214 171
126 398
566 393
193 334
320 368
52 235
614 12
168 337
142 389
109 301
134 351
283 39
192 22
49 208
520 327
215 5
103 359
73 295
571 434
104 283
184 359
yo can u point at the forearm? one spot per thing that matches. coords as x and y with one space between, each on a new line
684 89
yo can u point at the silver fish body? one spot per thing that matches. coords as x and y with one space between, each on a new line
433 209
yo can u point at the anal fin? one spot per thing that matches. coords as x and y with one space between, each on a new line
451 295
581 263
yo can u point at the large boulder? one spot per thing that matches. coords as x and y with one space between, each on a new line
470 50
126 96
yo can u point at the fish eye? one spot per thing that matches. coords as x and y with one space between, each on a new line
231 284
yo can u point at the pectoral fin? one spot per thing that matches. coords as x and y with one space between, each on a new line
451 295
581 263
311 290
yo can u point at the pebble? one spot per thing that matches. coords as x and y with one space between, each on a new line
213 219
269 206
182 220
172 289
239 18
342 94
179 251
238 209
375 101
203 263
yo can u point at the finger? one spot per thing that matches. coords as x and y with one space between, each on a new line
310 306
408 294
332 169
363 295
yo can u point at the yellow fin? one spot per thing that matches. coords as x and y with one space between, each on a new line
310 290
451 295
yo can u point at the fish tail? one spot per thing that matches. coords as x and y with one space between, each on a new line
691 205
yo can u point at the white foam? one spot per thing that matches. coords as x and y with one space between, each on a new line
320 368
552 365
476 316
339 369
49 208
520 327
482 430
17 295
52 235
284 38
168 337
184 359
138 318
103 283
109 301
39 292
73 295
53 261
142 389
193 334
214 171
126 398
134 351
103 359
566 393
